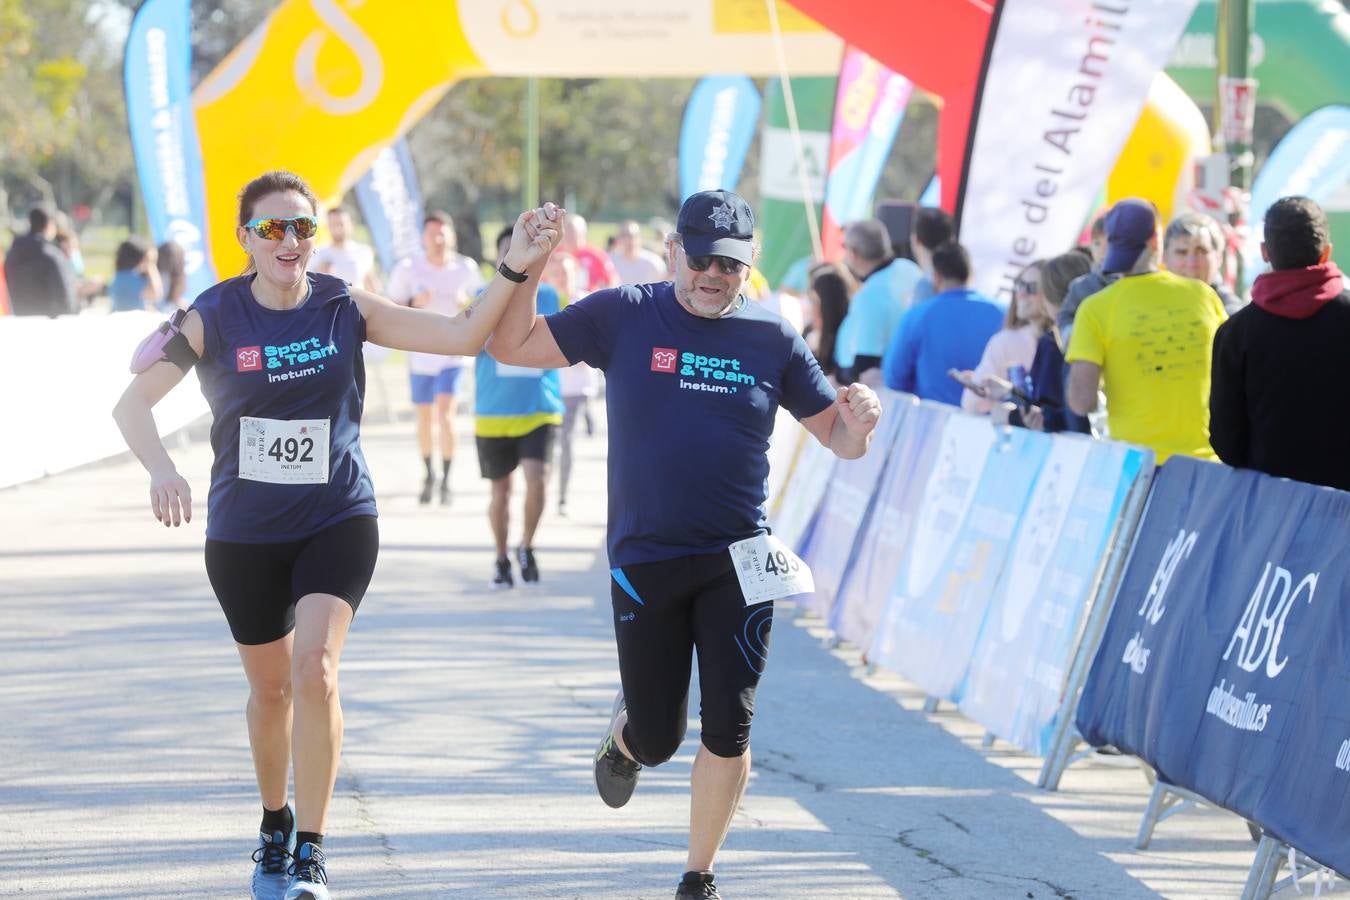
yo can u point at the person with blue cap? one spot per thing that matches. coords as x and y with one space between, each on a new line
696 376
1148 337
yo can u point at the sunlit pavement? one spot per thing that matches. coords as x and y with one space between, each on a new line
471 717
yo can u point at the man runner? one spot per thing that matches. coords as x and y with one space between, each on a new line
697 374
517 411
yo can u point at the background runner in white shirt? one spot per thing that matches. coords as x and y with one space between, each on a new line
443 281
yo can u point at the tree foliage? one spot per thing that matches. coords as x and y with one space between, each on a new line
62 106
607 147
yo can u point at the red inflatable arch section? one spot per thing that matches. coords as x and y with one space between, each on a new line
937 44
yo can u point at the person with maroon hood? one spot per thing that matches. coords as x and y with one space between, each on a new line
1277 360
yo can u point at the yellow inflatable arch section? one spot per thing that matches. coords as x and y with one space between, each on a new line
322 86
319 88
1158 160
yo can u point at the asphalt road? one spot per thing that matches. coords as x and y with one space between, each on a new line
471 717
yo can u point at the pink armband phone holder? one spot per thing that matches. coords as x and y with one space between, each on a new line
165 343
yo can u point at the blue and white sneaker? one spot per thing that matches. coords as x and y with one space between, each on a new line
308 879
273 856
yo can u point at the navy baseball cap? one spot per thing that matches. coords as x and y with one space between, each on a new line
1130 224
717 223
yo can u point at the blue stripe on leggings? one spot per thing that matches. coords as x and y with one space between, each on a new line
623 582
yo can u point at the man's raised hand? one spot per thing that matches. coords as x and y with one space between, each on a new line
535 235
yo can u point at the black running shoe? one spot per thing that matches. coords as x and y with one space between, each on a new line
615 774
697 886
503 580
425 497
529 569
445 492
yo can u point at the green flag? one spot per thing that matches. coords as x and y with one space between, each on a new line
781 213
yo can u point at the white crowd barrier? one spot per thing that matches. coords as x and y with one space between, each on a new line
59 381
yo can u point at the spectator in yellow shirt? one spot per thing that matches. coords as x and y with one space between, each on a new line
1147 338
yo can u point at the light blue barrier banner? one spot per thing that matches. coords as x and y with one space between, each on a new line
1019 666
164 134
868 581
967 518
846 509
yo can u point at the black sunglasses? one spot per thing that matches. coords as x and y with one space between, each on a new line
703 263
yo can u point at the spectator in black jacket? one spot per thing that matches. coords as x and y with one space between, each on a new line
41 279
1278 360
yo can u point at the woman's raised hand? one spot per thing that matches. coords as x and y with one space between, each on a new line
536 233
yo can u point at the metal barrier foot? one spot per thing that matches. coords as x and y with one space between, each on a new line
1166 801
1265 868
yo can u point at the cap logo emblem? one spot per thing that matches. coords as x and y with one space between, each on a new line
722 216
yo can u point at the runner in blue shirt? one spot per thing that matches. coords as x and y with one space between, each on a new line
291 539
696 375
517 412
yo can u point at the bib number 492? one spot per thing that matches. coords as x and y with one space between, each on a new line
292 450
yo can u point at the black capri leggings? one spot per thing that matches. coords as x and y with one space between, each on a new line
258 585
662 611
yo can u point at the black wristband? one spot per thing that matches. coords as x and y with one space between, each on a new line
511 274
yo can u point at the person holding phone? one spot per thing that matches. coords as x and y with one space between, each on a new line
1014 345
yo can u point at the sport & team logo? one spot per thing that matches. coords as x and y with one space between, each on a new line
248 359
663 359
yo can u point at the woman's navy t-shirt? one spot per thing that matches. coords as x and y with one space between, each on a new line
302 363
692 403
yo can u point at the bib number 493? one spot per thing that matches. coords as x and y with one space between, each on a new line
768 570
780 562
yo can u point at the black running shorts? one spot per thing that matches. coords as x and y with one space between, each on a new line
662 612
258 585
499 456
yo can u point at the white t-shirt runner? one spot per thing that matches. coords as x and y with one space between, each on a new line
646 268
351 262
452 287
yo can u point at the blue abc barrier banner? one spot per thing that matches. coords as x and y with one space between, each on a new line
156 73
846 510
391 203
975 497
867 583
1312 160
1020 663
1226 661
719 120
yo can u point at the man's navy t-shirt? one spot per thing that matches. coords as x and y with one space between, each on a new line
691 405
